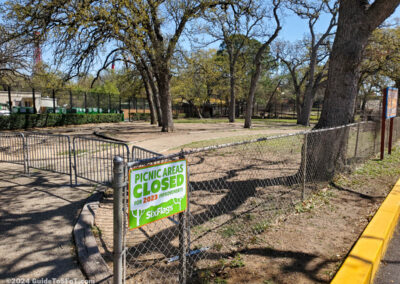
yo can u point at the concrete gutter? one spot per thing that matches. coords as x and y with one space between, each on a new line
363 261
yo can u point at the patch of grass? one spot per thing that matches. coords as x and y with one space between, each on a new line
316 200
291 144
260 227
219 281
217 246
237 261
228 231
78 152
265 121
96 231
205 276
199 230
268 281
372 169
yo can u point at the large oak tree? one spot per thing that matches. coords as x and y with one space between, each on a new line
357 20
79 30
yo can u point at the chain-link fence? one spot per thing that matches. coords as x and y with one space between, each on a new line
236 191
93 158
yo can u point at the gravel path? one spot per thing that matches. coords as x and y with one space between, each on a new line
37 214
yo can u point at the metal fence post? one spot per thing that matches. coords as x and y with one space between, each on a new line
25 154
303 190
358 133
118 217
75 165
183 250
70 160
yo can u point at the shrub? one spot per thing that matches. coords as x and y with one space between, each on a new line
24 121
140 116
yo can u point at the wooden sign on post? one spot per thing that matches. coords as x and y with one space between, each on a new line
389 111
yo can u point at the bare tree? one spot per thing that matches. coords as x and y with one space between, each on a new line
15 57
234 25
317 49
257 64
80 30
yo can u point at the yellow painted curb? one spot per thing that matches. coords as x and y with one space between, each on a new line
363 260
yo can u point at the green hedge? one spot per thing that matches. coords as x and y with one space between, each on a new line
23 121
140 116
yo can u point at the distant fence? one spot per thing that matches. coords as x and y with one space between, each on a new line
46 100
139 153
236 191
93 158
12 148
86 158
49 152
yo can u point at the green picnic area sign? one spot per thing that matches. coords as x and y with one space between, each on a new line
156 192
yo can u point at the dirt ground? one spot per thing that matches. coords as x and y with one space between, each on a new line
150 136
305 244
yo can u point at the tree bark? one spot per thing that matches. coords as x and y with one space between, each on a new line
355 24
156 96
232 106
149 93
309 93
166 101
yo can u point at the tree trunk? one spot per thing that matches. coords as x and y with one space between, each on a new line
196 109
250 98
310 91
149 94
355 24
166 101
298 106
156 95
304 117
232 106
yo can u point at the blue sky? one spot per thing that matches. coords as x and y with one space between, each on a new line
294 28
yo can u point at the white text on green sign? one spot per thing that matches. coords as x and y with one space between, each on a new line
156 192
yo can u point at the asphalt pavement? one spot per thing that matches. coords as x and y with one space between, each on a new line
389 268
37 215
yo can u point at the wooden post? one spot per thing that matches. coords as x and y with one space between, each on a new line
390 136
383 126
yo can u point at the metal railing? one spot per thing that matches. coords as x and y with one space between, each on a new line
12 149
139 153
93 158
86 158
49 152
236 191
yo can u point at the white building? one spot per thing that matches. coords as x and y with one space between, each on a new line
25 99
